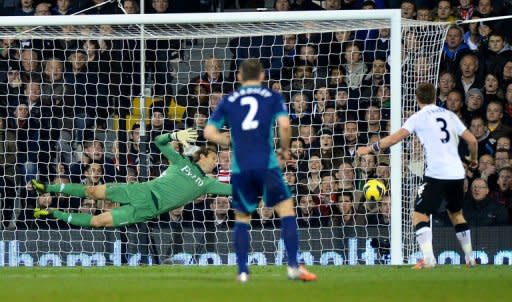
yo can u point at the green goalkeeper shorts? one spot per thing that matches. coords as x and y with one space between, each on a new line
138 204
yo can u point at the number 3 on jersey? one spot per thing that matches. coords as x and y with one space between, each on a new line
249 123
443 129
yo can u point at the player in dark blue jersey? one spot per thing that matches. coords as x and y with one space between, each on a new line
251 112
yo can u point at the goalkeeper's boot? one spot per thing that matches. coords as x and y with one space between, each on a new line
425 263
38 186
470 262
300 273
41 213
242 277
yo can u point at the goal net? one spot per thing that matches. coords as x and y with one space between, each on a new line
83 97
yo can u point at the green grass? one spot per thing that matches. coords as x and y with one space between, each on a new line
179 283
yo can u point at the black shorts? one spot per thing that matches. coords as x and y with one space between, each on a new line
433 192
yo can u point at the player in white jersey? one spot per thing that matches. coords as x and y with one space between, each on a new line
438 130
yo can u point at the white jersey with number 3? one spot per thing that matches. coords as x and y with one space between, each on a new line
438 130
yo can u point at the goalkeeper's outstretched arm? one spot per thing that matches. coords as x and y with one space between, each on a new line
162 142
183 136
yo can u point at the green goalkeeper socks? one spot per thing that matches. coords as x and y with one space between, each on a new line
77 190
78 219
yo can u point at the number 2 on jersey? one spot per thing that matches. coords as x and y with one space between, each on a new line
443 129
249 123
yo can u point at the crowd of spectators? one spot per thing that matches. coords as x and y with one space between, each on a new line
56 96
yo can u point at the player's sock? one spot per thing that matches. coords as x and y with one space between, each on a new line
290 238
77 190
424 239
78 219
463 234
242 246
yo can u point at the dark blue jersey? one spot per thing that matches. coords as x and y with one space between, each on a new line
250 112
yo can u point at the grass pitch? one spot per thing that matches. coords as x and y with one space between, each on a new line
179 283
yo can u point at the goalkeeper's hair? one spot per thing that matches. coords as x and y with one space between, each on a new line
251 69
203 150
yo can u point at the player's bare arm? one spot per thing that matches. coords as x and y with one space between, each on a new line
472 142
384 143
214 135
285 132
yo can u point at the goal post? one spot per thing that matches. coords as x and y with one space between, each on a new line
413 54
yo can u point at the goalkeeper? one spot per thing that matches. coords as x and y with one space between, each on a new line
181 183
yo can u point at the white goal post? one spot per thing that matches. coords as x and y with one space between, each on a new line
407 66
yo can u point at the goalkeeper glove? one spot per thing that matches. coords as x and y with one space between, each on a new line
185 136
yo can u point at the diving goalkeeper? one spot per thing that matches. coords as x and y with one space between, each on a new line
182 182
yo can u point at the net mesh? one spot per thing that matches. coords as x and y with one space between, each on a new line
71 113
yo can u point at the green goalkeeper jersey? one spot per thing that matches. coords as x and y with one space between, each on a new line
183 181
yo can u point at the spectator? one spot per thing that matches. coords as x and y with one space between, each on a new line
482 210
408 8
424 14
491 89
26 8
132 156
503 192
374 121
454 47
351 139
472 36
494 115
496 53
455 103
63 7
219 218
175 224
104 9
308 215
345 213
485 8
224 167
265 218
43 9
337 77
86 93
282 5
382 216
365 170
468 68
502 159
214 100
328 193
487 169
159 125
444 12
299 156
321 97
465 10
93 152
23 134
346 177
474 104
506 75
508 99
131 6
307 132
446 84
505 143
282 65
299 112
355 67
30 65
478 127
378 76
313 177
330 120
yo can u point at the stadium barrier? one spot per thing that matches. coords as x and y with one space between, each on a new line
324 246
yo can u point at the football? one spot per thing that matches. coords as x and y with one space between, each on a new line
374 190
